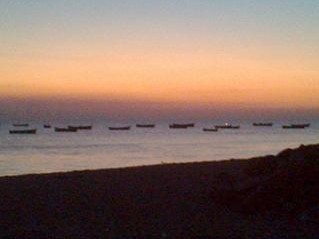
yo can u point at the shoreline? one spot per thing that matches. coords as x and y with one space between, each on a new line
127 168
259 197
146 166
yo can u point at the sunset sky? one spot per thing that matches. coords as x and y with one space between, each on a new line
158 57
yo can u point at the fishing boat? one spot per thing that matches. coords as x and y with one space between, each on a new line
85 127
145 125
21 125
210 129
73 128
120 128
23 131
65 130
191 125
301 125
263 124
47 126
81 127
181 126
294 126
227 126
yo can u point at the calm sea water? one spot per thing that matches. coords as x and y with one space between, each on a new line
48 151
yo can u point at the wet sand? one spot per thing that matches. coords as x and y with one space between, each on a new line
264 197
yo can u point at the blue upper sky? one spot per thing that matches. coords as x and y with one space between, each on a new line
292 22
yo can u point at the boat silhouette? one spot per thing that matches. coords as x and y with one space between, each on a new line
181 126
120 128
65 130
178 126
296 126
81 127
191 125
23 131
47 126
307 125
145 125
227 126
263 124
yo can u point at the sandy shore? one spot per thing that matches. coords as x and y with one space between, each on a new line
265 197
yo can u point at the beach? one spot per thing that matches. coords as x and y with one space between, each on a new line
263 197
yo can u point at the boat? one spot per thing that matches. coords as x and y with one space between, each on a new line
181 126
47 126
73 128
21 125
294 126
227 126
263 124
23 131
145 125
85 127
81 127
120 128
191 125
210 129
66 130
301 125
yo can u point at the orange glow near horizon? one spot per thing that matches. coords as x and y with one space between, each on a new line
190 76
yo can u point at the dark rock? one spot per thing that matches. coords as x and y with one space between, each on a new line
266 197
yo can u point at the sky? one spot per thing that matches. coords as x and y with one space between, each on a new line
159 58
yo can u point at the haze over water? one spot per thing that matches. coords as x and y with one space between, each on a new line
48 151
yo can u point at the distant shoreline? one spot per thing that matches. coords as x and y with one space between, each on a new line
269 195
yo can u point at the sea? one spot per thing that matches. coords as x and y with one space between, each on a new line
99 148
